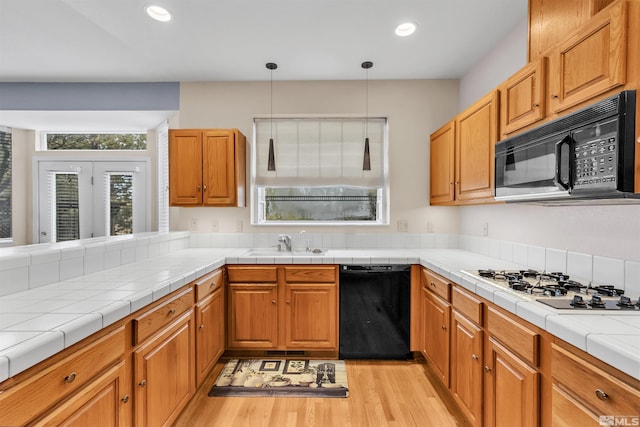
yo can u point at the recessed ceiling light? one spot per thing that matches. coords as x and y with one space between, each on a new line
405 29
158 13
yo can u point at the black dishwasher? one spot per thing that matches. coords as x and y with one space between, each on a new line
375 311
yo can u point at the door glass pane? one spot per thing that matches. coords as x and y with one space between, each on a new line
120 204
67 212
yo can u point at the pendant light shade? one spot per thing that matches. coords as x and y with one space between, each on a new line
366 161
271 163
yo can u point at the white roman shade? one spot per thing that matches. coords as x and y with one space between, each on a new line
316 152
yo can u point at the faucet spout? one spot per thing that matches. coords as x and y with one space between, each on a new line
286 240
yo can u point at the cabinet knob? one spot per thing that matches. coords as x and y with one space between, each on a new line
288 301
198 188
444 328
474 357
601 394
142 383
204 188
273 301
171 312
125 398
554 96
201 326
487 369
432 284
70 378
536 105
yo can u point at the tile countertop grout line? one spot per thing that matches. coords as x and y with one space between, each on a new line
181 267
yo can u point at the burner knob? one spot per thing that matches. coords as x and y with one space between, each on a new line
578 301
596 299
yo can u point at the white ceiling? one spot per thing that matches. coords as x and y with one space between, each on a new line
225 40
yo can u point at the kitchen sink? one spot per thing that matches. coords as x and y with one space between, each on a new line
273 252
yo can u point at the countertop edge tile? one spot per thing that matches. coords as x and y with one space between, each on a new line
623 357
33 351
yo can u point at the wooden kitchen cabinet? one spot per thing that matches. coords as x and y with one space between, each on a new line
436 321
476 135
283 307
210 322
467 345
584 398
592 61
522 98
442 165
164 373
552 21
106 401
207 167
512 389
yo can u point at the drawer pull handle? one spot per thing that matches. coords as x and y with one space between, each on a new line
125 399
444 328
171 312
70 378
142 383
487 369
433 284
474 357
601 394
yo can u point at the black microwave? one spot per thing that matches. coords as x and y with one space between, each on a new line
587 155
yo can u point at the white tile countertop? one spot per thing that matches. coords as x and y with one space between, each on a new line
39 322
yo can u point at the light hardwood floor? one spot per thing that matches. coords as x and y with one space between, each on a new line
381 393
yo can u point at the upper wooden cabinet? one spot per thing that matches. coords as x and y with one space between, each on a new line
207 167
442 165
476 135
522 97
590 62
552 21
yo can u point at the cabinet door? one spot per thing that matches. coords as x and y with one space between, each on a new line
592 61
218 150
466 367
522 97
476 135
105 402
253 315
311 316
210 338
436 320
164 375
185 167
511 389
442 164
568 412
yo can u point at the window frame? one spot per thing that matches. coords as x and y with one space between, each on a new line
42 141
384 203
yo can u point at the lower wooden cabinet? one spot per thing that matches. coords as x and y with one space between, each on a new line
512 389
467 366
283 307
107 402
436 314
164 373
210 333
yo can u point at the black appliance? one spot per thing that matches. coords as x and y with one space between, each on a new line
375 311
587 155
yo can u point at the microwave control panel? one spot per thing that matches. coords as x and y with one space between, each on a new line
596 163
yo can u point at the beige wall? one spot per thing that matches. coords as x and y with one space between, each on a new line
414 108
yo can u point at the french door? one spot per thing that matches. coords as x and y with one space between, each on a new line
79 200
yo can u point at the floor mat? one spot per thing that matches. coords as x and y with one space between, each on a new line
283 378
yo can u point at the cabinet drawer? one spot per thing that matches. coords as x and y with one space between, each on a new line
208 284
252 274
514 335
437 284
310 274
151 321
594 388
467 304
39 392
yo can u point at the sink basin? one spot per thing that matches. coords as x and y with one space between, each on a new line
272 252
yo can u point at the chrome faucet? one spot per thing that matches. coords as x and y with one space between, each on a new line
286 240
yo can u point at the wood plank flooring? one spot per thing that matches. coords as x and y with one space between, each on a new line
381 393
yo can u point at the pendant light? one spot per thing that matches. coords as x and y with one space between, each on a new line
271 164
366 162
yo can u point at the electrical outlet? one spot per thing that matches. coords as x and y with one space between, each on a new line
214 225
238 226
403 225
193 224
485 229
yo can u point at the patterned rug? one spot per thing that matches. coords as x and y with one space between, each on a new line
283 378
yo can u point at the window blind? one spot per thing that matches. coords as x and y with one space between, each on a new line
320 152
